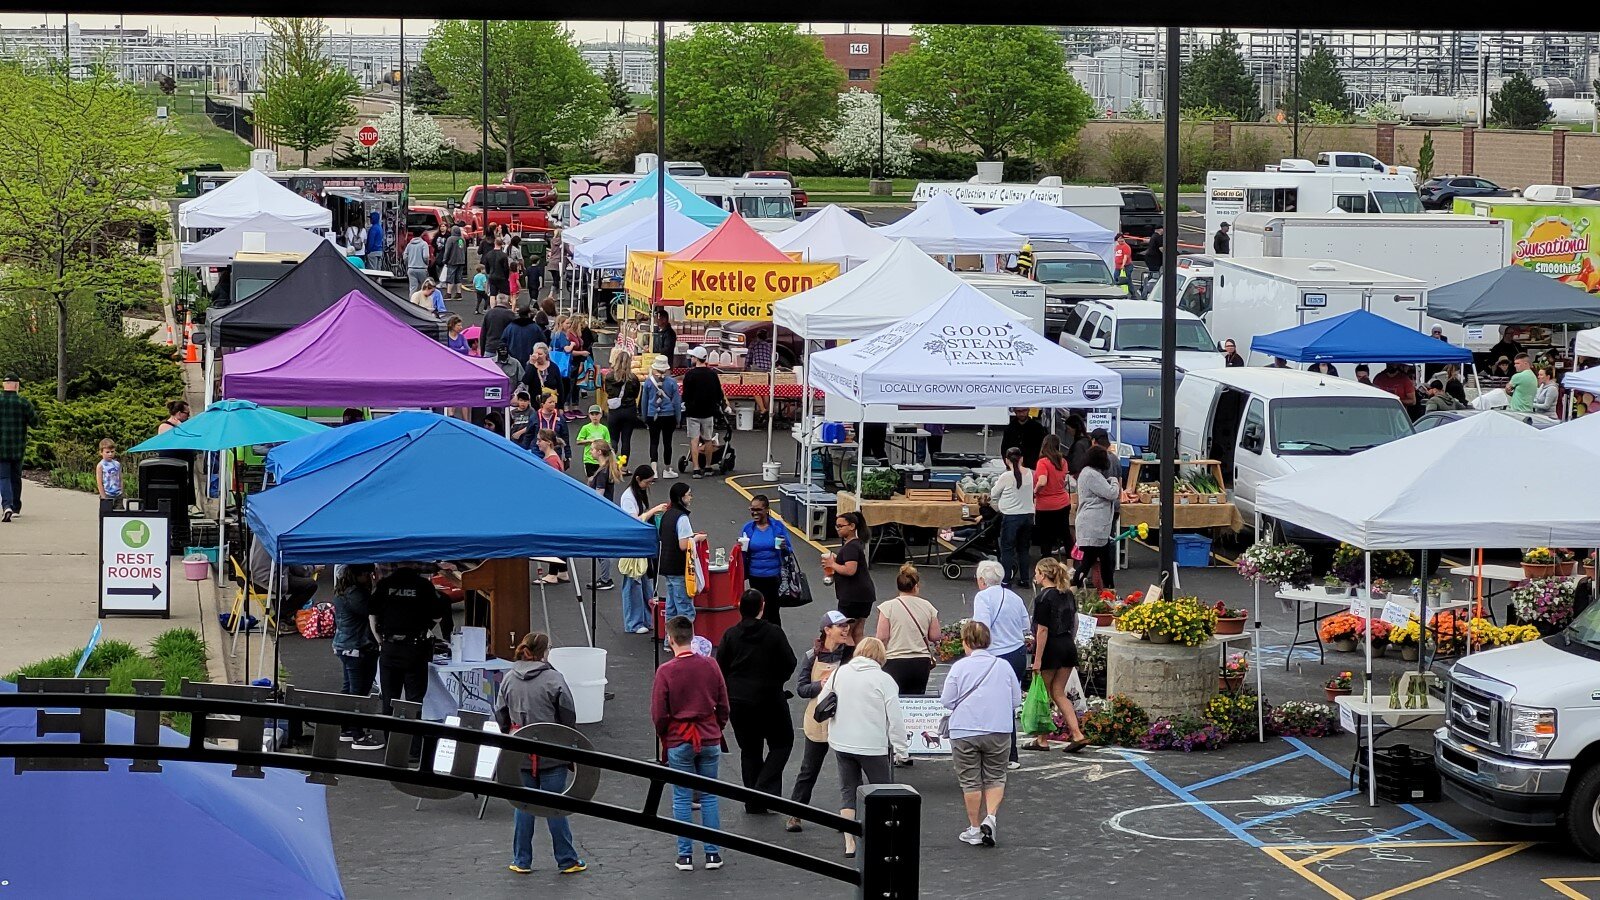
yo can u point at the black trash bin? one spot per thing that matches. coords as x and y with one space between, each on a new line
164 484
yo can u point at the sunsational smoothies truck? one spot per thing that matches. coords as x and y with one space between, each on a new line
1552 232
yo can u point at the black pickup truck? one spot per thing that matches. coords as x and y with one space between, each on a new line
1141 213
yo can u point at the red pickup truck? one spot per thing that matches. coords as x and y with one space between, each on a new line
511 205
538 182
423 222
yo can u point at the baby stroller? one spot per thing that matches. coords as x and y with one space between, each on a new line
973 544
722 455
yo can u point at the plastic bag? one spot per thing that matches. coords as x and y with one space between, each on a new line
1037 715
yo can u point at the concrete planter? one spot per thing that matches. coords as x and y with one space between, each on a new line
1165 679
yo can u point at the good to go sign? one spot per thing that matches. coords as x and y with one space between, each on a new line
135 568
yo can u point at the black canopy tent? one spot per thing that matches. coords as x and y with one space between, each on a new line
320 280
1514 295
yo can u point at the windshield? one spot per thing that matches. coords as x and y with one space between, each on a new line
1071 271
1141 400
1319 426
1396 202
1585 629
1145 334
766 207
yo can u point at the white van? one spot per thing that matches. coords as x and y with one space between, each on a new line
1133 328
1261 423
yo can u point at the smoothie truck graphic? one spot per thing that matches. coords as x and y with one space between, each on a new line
1558 247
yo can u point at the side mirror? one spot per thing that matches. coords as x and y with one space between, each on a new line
1098 343
1252 438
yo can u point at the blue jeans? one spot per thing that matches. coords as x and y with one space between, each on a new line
554 781
11 485
679 603
635 611
684 758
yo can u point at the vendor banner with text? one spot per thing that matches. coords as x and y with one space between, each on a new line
723 290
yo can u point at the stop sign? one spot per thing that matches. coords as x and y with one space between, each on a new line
367 135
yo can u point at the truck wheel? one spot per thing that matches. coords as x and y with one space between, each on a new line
1583 813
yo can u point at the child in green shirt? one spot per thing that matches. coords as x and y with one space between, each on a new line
588 435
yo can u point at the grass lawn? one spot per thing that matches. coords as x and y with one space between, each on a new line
203 141
861 199
834 185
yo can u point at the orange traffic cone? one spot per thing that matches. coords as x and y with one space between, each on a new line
170 342
191 353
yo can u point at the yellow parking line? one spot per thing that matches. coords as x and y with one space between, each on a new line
1563 887
1453 871
1318 880
796 530
1299 866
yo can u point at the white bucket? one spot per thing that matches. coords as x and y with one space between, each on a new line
769 471
584 668
746 416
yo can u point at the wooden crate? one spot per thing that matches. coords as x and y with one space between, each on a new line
929 494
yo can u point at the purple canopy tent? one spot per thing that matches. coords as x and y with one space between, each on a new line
355 353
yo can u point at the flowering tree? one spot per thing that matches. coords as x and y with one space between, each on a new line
425 142
856 142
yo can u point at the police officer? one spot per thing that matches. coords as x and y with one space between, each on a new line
404 608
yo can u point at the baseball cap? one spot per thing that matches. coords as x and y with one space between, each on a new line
834 617
699 353
11 376
594 410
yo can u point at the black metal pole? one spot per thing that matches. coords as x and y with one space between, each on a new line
405 166
661 137
483 123
1169 314
1295 110
883 55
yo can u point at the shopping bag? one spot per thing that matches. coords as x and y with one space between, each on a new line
793 589
315 621
1075 694
1037 717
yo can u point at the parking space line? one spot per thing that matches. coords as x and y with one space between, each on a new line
1428 818
1397 830
1452 871
1296 866
1563 886
1204 808
796 530
1296 810
1301 866
1254 767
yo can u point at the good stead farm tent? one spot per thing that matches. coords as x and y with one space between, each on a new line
733 272
943 225
833 235
357 354
868 298
383 504
678 197
1357 336
609 250
247 196
1039 221
966 351
1409 494
275 236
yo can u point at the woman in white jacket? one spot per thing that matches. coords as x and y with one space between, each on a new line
867 730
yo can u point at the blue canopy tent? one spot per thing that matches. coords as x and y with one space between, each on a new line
1357 336
317 451
679 198
143 835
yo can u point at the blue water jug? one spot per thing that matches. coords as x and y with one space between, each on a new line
832 433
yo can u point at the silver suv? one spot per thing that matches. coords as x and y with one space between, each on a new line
1070 276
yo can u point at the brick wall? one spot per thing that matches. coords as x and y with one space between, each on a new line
1513 158
1446 148
1583 158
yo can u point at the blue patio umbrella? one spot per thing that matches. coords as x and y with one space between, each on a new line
228 424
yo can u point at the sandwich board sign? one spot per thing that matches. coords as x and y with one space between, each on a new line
135 568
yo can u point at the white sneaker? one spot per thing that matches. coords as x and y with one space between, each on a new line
987 830
972 836
642 629
1013 765
669 473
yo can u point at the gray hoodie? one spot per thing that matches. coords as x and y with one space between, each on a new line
455 248
533 692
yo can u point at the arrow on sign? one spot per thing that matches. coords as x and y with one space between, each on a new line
153 591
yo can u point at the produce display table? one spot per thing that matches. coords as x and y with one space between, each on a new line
1200 512
1355 711
888 519
780 391
1315 600
454 685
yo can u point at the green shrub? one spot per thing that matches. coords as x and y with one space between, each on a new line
108 653
54 667
1234 715
1132 156
125 672
175 655
1250 152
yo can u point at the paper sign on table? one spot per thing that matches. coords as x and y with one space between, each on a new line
1086 627
1347 718
1395 613
444 758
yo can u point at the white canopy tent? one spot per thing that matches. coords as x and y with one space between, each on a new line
1039 221
1582 432
1411 496
590 229
1582 380
610 250
247 196
263 232
833 235
1586 343
944 226
868 298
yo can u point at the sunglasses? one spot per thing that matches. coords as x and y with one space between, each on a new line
757 509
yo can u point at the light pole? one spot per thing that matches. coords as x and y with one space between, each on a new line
404 163
883 55
1295 111
661 137
483 128
1169 315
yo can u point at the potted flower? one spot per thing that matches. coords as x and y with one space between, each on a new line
1566 561
1380 635
1484 634
1588 565
1349 563
1338 685
1230 619
1540 562
1342 631
1097 604
1288 564
1334 585
1233 671
1184 620
1407 637
1518 634
1440 589
1449 630
1380 588
1544 603
949 648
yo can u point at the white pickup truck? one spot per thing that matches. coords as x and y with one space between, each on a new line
1345 161
1521 743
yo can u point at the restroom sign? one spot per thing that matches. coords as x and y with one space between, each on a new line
135 568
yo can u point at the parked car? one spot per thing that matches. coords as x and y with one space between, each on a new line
1070 276
1133 328
1586 192
1434 419
1441 192
539 184
1141 213
509 204
800 198
1345 161
423 222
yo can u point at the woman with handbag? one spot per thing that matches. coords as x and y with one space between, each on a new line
635 572
907 624
868 729
829 651
1097 498
622 391
853 589
764 541
1055 643
982 695
663 406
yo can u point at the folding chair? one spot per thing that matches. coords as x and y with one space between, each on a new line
240 611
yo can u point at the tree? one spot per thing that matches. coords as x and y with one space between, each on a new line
616 91
1425 157
305 97
1217 77
995 88
542 95
1320 81
425 142
1519 104
751 87
855 143
81 163
424 91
